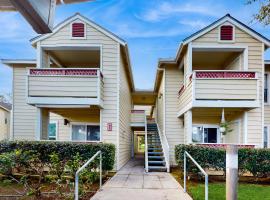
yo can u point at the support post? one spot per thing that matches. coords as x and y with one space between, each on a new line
231 172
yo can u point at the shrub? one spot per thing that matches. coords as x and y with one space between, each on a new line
255 161
65 150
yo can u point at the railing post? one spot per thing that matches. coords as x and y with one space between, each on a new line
100 170
231 172
206 187
76 186
185 172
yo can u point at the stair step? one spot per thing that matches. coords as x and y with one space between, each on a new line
156 162
154 149
156 157
157 168
155 153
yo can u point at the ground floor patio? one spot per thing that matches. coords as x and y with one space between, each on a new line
131 182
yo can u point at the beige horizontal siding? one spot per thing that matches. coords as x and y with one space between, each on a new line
59 86
185 99
137 117
226 89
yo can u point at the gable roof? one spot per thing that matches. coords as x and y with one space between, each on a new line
5 106
84 19
233 21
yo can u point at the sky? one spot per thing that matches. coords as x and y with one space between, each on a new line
153 29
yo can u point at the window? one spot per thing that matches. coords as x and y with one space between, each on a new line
226 33
52 131
6 121
78 30
205 134
265 88
85 132
265 137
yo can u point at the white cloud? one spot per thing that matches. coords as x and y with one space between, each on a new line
166 10
195 24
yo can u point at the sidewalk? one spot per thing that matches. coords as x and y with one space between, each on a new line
132 183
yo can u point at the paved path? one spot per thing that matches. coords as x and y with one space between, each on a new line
132 183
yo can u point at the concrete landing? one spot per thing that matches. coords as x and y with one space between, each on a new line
132 183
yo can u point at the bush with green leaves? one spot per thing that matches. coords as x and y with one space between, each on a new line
255 161
65 150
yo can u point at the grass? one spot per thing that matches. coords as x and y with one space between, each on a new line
217 191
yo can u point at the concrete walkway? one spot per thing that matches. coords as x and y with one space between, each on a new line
132 183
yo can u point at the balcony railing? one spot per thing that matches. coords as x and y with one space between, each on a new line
137 117
226 88
70 86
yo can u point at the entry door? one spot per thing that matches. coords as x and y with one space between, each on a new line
210 135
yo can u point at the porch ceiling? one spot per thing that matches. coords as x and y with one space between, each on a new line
77 58
215 113
144 98
212 60
78 114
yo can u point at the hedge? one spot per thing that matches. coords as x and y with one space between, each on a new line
256 161
65 150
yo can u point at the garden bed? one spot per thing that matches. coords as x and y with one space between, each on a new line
46 170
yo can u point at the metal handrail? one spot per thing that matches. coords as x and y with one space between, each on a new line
146 144
200 168
83 167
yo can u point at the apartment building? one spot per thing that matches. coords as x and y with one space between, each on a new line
80 88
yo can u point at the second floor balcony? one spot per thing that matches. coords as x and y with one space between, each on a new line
220 88
65 86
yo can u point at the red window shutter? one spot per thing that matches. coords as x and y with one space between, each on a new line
226 32
78 30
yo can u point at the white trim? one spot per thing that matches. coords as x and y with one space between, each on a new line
226 104
70 30
207 126
118 110
262 93
164 102
235 23
39 56
84 124
245 127
62 101
38 124
76 17
245 63
189 126
19 61
71 46
226 41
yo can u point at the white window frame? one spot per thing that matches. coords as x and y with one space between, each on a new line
268 84
56 129
70 32
208 126
268 129
85 124
226 41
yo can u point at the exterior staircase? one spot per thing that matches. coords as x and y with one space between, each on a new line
156 159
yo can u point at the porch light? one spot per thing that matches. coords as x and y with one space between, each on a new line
222 129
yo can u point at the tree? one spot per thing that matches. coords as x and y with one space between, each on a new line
263 14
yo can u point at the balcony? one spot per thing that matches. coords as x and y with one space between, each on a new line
138 118
65 86
236 89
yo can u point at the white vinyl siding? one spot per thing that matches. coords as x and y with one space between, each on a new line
125 106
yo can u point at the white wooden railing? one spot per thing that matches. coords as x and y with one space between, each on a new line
165 147
146 144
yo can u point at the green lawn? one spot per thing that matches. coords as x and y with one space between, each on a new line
217 191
